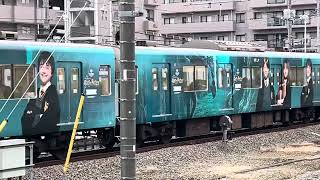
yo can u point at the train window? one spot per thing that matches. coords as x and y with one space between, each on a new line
105 80
165 81
75 80
220 77
27 80
246 77
61 80
300 76
188 76
256 77
201 81
155 79
293 76
5 81
228 77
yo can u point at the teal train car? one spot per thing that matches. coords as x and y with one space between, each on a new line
180 91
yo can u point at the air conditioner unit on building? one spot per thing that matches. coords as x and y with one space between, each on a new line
8 35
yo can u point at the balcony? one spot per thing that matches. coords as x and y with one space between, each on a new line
81 3
277 23
82 31
175 8
265 4
150 26
223 26
151 2
24 14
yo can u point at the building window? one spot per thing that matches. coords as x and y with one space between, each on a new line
220 38
203 18
276 1
168 42
240 18
151 37
224 17
185 20
241 38
26 30
25 1
168 20
203 38
150 14
258 15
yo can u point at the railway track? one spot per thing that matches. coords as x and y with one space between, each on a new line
102 153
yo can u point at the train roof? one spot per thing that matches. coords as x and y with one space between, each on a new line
160 50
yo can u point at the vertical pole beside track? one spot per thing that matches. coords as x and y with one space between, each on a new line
127 89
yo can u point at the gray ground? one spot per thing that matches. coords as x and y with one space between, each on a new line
252 157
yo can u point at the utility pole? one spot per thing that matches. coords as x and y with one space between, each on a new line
289 25
318 26
66 19
46 24
127 89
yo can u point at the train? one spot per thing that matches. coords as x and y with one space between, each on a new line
180 92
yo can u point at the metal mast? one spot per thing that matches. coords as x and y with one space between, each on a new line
46 24
318 26
289 24
127 89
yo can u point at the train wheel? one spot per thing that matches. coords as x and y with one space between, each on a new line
106 138
165 139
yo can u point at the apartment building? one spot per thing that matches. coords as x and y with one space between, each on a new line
237 20
24 19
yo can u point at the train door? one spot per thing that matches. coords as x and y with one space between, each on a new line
316 83
69 90
275 76
225 83
161 93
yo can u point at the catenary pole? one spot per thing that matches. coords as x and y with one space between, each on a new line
127 89
318 26
289 24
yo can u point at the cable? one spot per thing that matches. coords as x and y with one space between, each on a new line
44 63
28 69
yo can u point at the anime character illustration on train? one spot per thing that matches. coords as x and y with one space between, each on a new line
266 96
42 114
307 90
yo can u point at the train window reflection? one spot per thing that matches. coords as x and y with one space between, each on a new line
301 78
246 77
105 80
164 79
188 77
21 89
293 76
256 77
201 81
61 81
220 77
155 79
75 81
5 81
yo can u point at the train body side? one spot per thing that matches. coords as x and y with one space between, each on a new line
233 82
77 69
